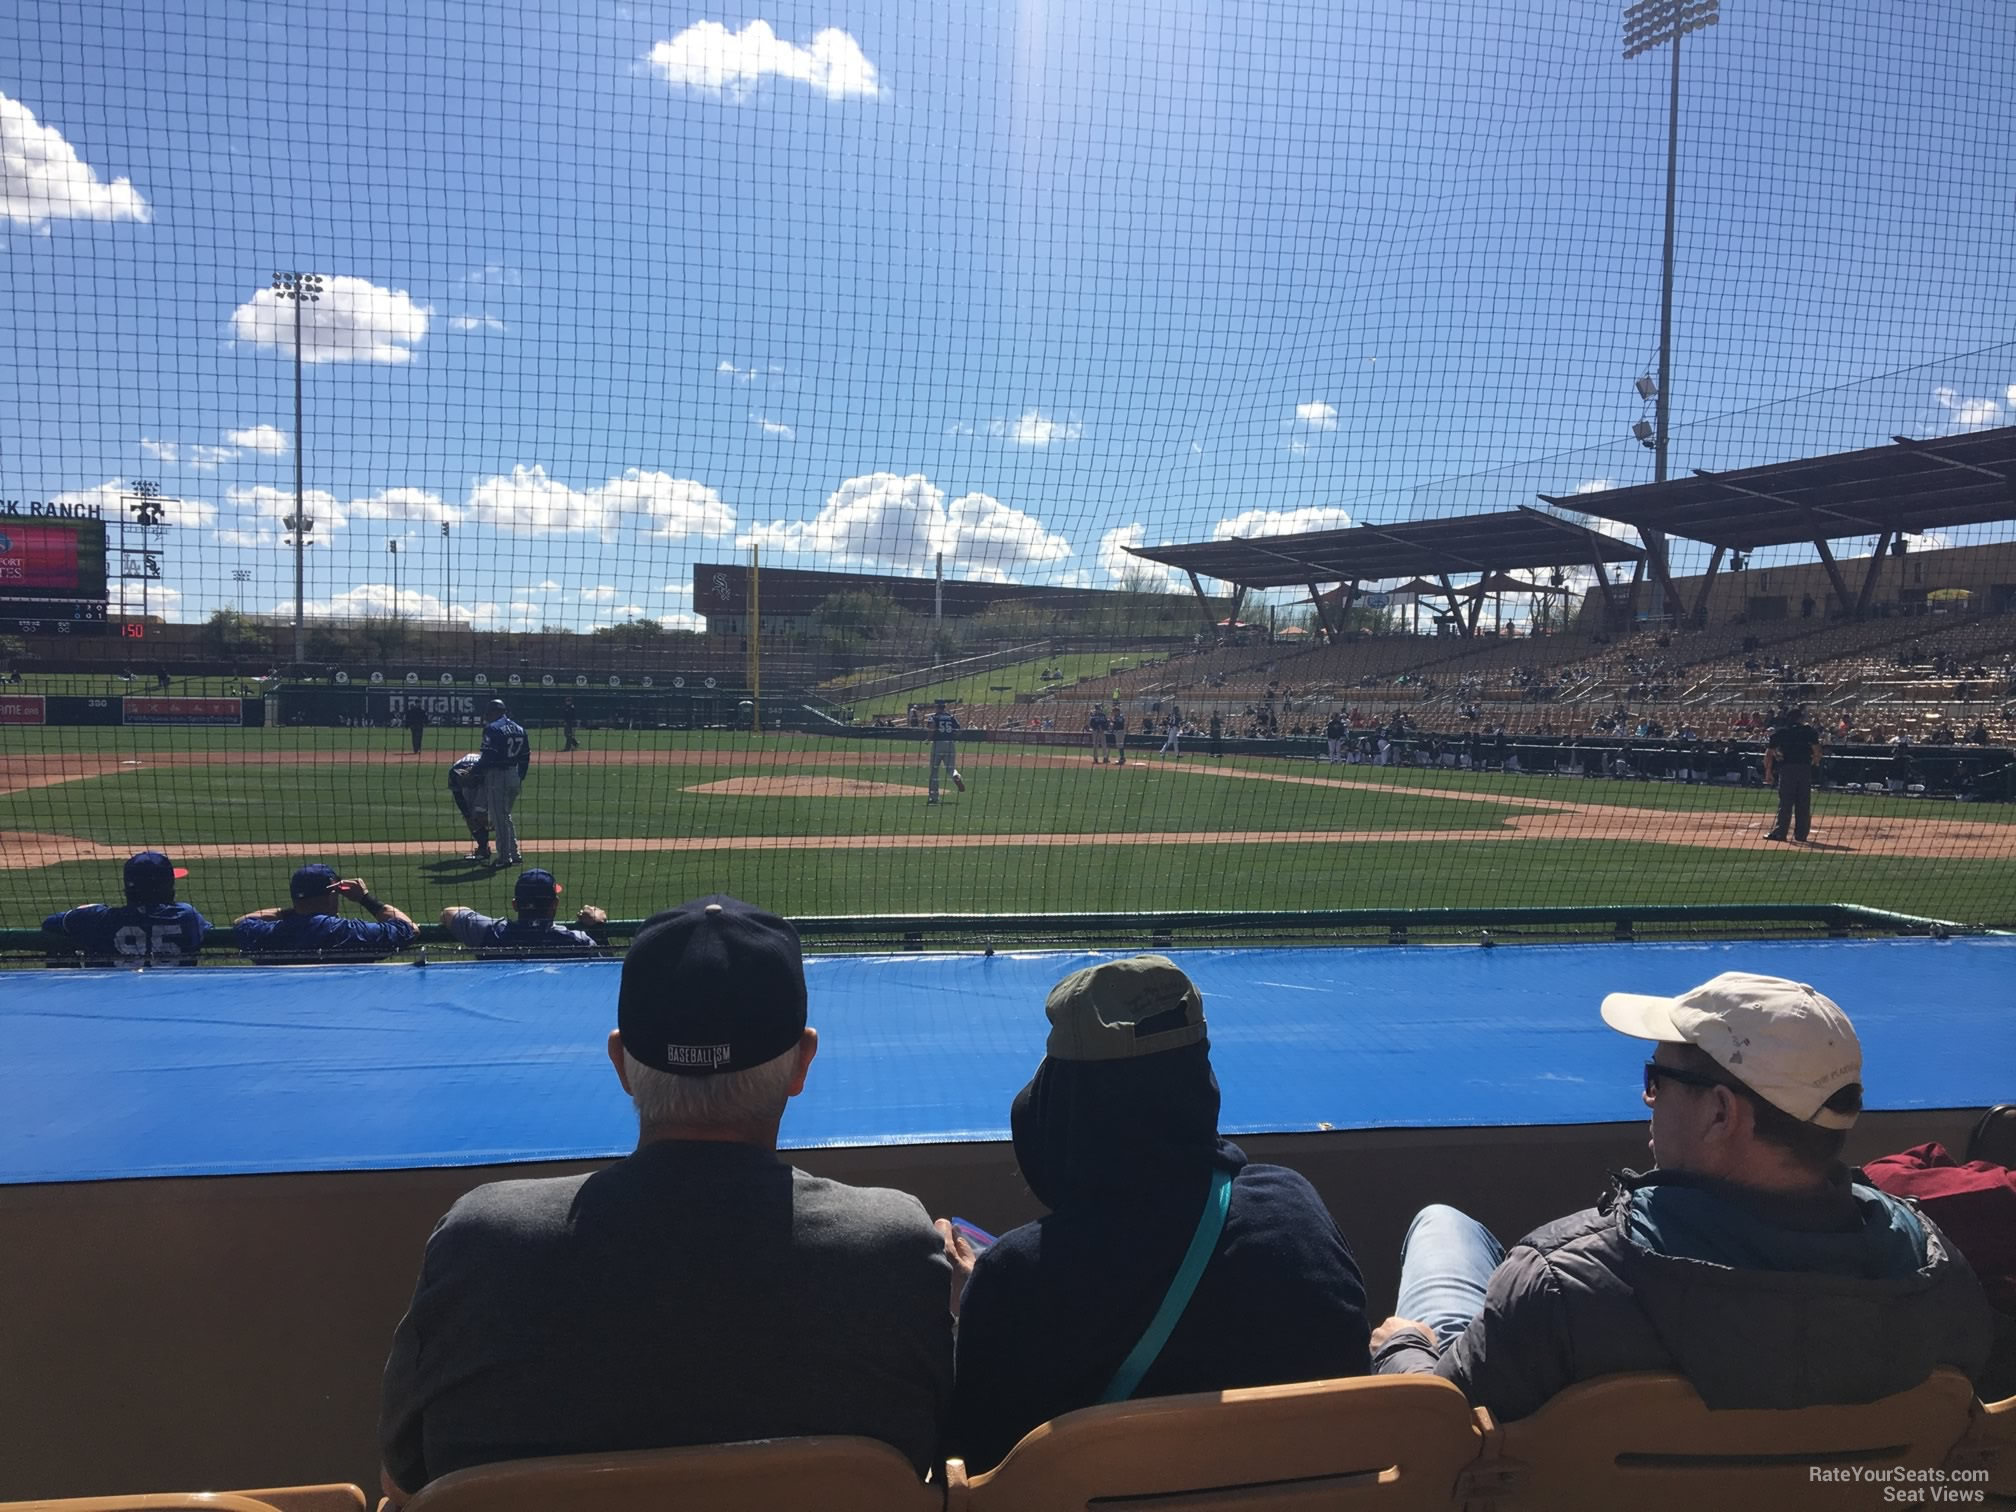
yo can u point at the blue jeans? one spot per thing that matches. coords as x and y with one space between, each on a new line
1445 1262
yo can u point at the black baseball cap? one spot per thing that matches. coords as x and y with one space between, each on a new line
534 887
312 881
714 985
493 705
152 869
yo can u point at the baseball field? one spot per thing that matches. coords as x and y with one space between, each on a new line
812 825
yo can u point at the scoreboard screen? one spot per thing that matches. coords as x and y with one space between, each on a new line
52 574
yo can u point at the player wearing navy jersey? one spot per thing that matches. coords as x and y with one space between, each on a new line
314 925
500 769
1120 733
462 787
535 932
944 726
1102 737
151 928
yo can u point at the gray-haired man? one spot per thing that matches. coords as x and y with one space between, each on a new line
698 1291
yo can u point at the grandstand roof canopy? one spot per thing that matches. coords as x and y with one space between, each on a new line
1370 553
1910 486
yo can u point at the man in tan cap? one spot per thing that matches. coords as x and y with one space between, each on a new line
1167 1263
1749 1259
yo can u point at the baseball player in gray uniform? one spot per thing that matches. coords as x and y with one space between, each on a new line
943 726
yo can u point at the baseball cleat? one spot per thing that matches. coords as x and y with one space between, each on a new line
959 782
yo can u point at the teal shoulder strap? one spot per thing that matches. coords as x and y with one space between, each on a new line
1202 1243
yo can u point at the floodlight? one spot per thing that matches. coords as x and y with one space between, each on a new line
1647 387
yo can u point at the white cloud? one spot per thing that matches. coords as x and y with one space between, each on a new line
1595 485
1967 413
741 375
775 428
267 439
160 451
711 59
403 504
475 323
1034 428
257 537
130 596
1317 415
277 503
210 456
377 601
353 321
1131 570
531 502
549 586
494 275
599 591
990 539
42 178
1273 522
115 503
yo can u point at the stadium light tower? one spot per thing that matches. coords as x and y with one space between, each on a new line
300 288
392 549
1649 24
241 576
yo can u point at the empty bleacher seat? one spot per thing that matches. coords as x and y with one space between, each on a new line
1369 1442
321 1498
826 1474
1648 1443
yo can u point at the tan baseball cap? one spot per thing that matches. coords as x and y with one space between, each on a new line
1789 1044
1118 1010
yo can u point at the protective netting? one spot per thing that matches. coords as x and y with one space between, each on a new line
721 392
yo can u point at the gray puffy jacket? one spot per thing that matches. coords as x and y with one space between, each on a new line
1759 1300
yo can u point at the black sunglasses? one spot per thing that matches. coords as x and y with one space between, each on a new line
1655 1073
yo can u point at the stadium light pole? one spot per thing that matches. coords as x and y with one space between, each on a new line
241 576
300 289
1649 24
392 550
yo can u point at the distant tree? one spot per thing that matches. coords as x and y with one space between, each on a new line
632 632
864 615
229 635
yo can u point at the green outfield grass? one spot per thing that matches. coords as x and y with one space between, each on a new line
331 795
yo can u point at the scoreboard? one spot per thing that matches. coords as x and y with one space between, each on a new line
52 575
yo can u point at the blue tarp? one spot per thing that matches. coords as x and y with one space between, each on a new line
108 1074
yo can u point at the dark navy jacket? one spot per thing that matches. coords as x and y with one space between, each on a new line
164 933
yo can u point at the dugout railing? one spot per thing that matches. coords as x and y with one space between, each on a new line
988 933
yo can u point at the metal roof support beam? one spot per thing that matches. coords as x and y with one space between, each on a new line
1609 591
1455 604
1809 510
1700 613
1872 573
1631 593
1204 604
1232 614
1834 576
1931 452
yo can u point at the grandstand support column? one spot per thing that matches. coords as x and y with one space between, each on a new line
1238 603
1609 590
1203 605
1699 614
1873 572
1631 592
1455 604
1834 575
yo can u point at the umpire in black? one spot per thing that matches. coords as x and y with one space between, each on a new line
1791 755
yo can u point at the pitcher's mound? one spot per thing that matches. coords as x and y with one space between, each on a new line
805 787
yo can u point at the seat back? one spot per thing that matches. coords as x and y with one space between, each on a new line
1399 1442
155 1501
1990 1446
830 1474
1649 1443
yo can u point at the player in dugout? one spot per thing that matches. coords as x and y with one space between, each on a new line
151 929
314 924
535 932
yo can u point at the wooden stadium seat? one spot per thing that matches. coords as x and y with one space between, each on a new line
1648 1443
1990 1444
1397 1442
160 1501
825 1474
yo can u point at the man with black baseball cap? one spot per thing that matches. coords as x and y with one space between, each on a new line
1749 1260
536 932
1167 1263
700 1290
314 924
152 928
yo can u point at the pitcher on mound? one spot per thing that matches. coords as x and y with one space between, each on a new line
943 725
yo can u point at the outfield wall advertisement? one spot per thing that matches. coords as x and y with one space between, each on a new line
22 709
230 712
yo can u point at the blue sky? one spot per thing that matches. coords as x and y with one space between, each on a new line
616 288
